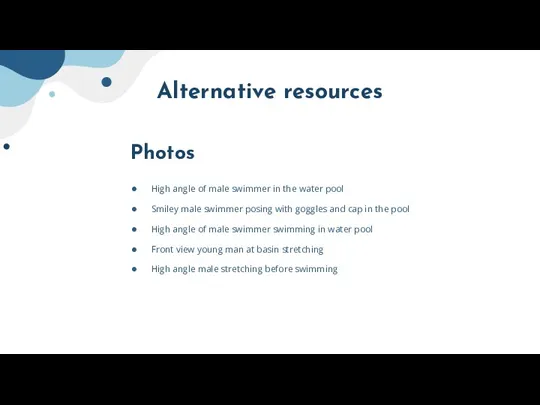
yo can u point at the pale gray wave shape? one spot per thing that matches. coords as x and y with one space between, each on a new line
12 119
86 82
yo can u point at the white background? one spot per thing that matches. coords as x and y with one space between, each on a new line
455 136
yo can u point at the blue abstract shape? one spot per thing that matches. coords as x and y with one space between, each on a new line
37 65
16 89
92 58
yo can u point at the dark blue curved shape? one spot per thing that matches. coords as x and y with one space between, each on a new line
37 65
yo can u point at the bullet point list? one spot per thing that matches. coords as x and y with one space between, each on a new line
134 229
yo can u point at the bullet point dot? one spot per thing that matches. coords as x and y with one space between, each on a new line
134 209
134 229
6 146
134 269
134 188
134 250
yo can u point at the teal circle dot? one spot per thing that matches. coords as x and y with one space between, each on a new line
106 81
52 94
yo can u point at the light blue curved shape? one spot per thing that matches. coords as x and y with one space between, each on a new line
92 58
16 89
